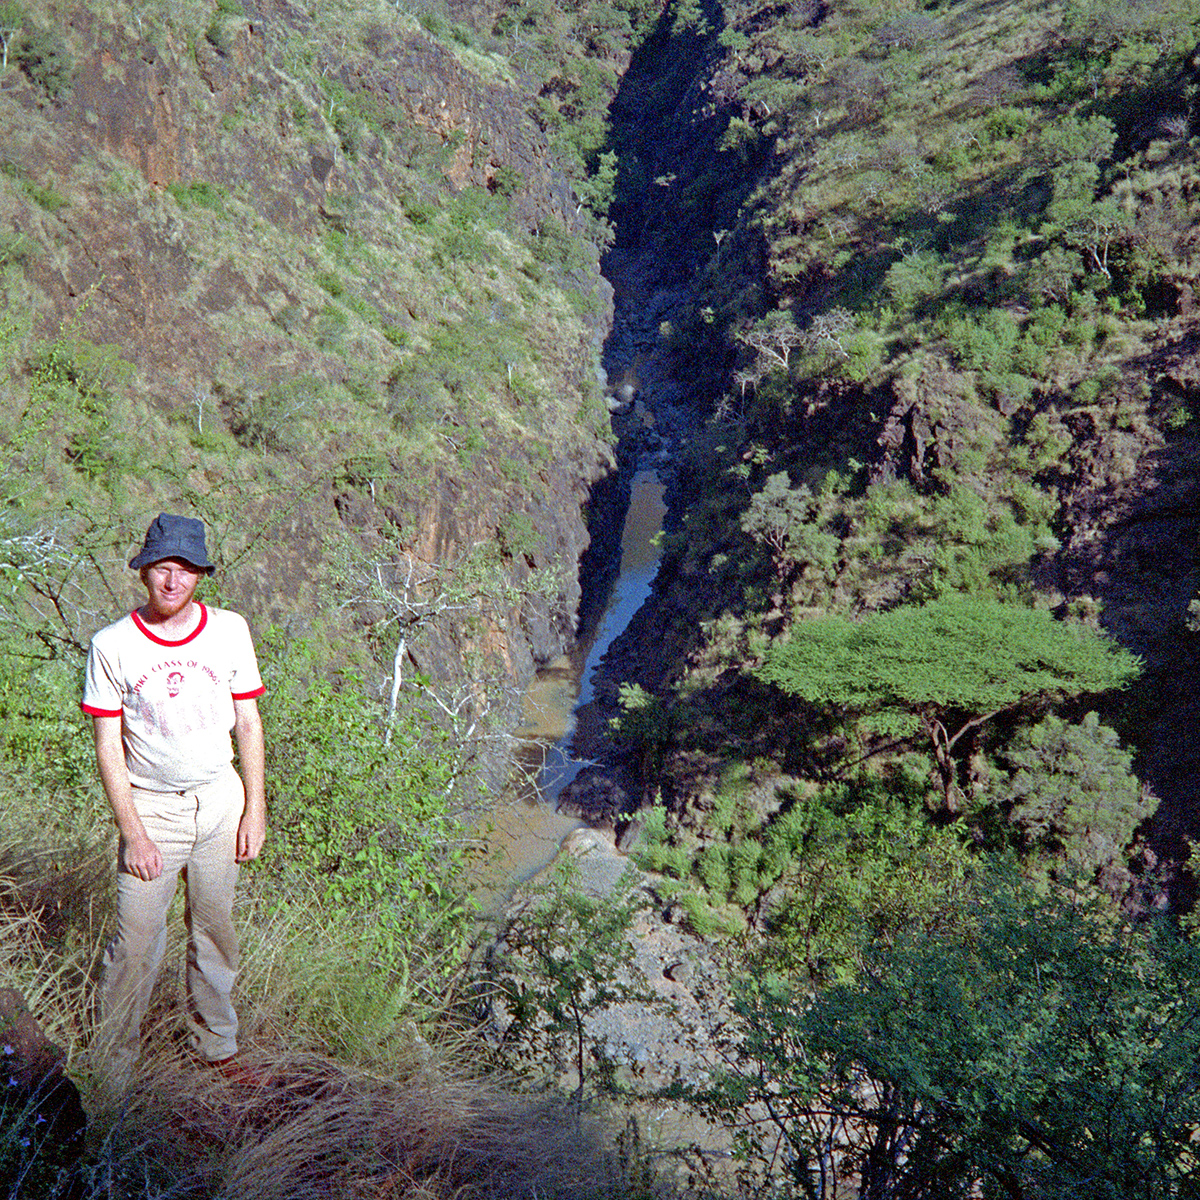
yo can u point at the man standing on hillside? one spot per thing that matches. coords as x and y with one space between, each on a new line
165 687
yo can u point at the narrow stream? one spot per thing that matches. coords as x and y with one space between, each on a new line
526 833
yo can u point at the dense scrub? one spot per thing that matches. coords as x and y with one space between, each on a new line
935 337
311 276
940 267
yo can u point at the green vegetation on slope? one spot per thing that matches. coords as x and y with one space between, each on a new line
929 334
355 333
1028 1047
305 275
937 334
937 249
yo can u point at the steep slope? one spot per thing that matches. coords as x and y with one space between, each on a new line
311 275
928 279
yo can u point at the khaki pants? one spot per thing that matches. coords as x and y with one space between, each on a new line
196 833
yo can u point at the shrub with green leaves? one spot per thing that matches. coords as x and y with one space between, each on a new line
45 58
826 870
561 956
857 864
199 193
1031 1048
361 820
271 420
791 523
1071 791
915 277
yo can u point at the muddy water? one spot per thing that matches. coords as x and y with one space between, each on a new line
524 834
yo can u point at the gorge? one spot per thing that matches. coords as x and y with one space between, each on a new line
891 308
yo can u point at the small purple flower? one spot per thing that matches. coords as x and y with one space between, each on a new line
8 1049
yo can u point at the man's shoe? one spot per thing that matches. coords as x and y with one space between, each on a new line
238 1072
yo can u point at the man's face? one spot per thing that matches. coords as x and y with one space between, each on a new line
170 586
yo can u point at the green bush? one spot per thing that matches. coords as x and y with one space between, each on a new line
518 535
1030 1047
986 342
712 866
915 277
271 420
1071 791
331 282
1006 123
560 957
46 60
362 819
41 729
507 181
415 396
555 246
793 524
709 920
654 851
1048 440
856 862
198 194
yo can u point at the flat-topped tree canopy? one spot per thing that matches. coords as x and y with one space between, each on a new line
949 664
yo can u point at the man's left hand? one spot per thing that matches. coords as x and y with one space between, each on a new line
252 833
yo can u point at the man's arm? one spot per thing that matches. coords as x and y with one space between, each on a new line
248 732
141 857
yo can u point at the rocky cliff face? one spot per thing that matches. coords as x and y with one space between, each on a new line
220 111
293 276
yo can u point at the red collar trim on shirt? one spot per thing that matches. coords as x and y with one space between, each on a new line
165 641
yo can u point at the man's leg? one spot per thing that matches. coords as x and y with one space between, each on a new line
132 958
212 874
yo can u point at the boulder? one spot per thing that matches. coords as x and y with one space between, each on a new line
595 797
37 1093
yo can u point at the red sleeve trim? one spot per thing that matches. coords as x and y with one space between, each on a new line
93 711
254 695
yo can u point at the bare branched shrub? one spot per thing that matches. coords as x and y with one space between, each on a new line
1174 126
773 340
1001 85
907 31
825 333
861 89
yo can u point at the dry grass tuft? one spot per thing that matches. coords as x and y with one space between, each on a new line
307 1128
386 1119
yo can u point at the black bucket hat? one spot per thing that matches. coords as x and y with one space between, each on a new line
174 537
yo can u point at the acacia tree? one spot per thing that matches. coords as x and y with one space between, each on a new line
944 667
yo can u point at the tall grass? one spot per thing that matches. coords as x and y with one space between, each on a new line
346 1089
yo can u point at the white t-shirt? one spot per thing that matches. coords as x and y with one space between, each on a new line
175 699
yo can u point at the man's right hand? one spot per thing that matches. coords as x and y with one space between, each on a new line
142 858
138 856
